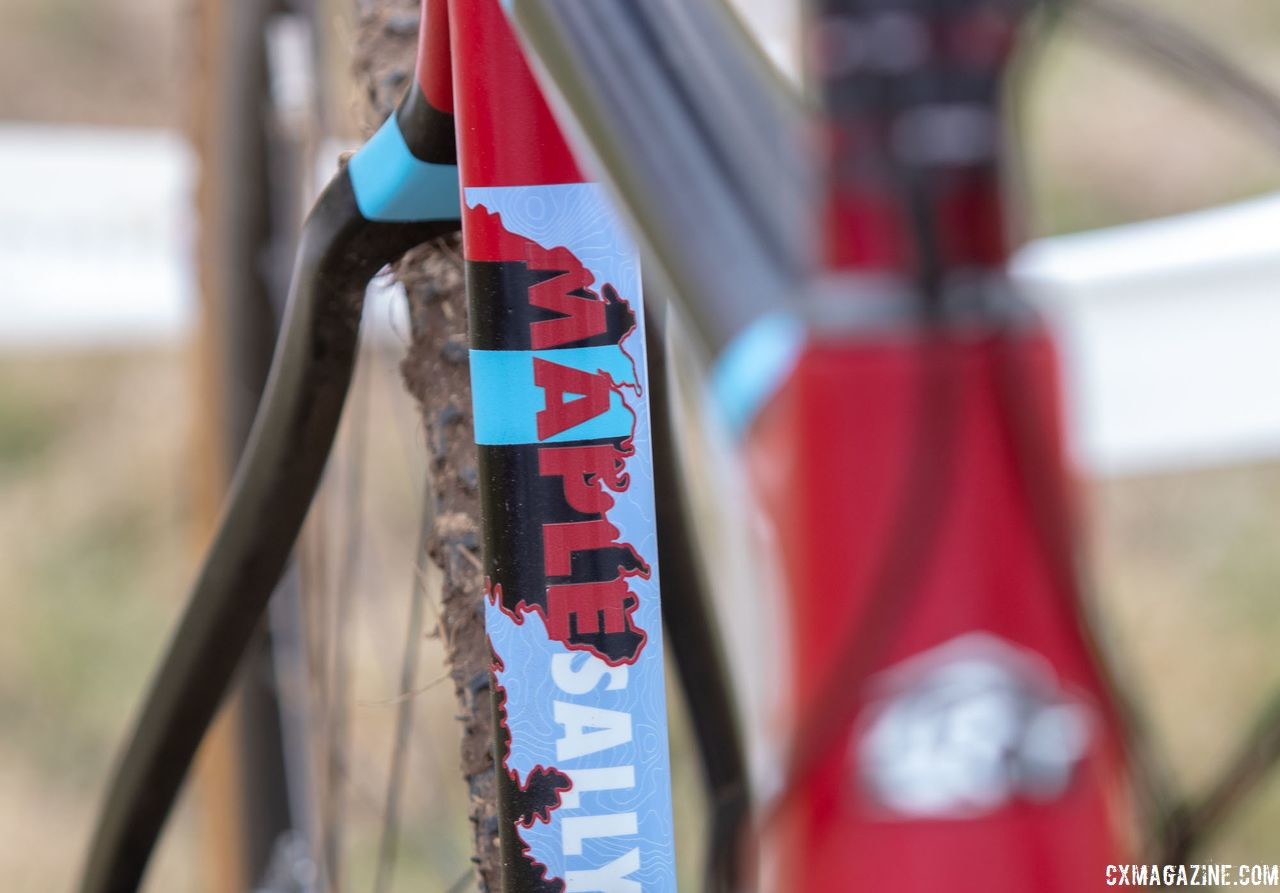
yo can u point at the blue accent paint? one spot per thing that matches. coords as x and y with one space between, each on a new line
392 185
752 367
507 401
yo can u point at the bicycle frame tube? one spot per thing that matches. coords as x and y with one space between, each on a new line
562 425
949 725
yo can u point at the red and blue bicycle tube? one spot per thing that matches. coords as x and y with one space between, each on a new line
949 725
559 387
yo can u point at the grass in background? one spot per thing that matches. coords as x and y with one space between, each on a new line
93 520
92 62
1110 140
1188 572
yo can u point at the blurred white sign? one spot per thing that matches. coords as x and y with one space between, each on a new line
95 236
1171 335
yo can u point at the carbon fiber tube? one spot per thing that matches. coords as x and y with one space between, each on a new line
339 252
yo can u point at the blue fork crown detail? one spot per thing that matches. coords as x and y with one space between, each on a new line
392 185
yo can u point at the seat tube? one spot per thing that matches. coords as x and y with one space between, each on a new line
560 395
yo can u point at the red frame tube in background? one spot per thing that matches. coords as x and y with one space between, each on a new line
838 463
914 481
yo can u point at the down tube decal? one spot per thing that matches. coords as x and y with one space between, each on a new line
571 568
